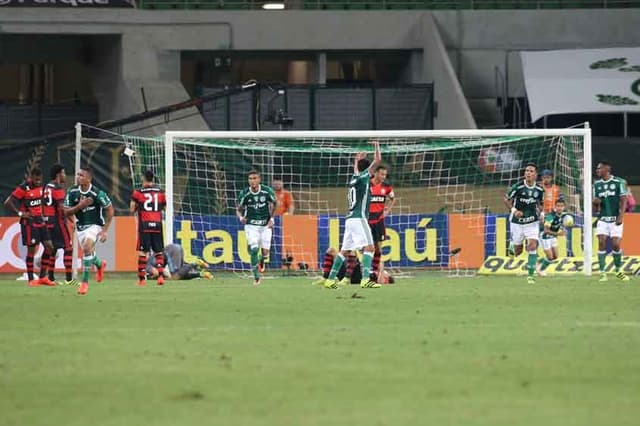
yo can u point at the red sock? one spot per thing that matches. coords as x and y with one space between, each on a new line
327 263
142 266
375 264
160 263
68 263
351 263
29 262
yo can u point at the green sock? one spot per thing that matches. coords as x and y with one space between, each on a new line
337 264
86 267
617 260
544 263
255 259
602 256
367 258
531 263
96 261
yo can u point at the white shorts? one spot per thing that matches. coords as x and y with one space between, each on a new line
357 234
90 233
610 229
258 236
548 243
528 231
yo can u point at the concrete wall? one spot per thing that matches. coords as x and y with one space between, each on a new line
146 52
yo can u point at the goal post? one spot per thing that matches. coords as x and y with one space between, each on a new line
445 161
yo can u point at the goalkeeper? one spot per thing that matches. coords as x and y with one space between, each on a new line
176 268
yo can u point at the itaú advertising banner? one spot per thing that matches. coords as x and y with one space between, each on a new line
582 81
68 3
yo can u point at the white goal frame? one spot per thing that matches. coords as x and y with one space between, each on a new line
584 132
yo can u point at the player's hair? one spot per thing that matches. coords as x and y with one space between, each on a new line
253 172
363 164
605 163
277 178
36 171
560 200
531 164
88 170
381 167
55 169
148 175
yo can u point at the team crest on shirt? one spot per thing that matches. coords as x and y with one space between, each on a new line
384 191
612 186
535 193
263 199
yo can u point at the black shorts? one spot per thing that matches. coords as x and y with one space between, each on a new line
59 235
33 234
148 241
378 231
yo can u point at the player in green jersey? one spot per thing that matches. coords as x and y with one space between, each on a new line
255 210
93 211
524 200
357 233
549 237
610 202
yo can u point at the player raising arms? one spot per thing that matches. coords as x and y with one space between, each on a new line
381 191
610 200
525 200
149 201
549 238
93 211
57 230
29 197
357 234
255 210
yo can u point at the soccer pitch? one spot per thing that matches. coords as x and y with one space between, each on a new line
427 350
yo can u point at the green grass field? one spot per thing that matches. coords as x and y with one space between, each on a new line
429 350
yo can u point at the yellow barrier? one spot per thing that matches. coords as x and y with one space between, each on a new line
498 265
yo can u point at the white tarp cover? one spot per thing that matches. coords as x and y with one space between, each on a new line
582 81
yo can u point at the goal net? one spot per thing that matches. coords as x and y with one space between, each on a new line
449 185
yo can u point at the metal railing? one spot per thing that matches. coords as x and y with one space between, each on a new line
389 4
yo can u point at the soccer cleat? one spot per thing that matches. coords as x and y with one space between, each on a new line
603 277
329 283
531 279
83 288
34 283
318 281
201 263
622 276
367 283
142 283
540 271
261 266
160 280
257 281
100 272
46 281
345 281
72 282
511 251
206 275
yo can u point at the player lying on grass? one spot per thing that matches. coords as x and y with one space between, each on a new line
549 236
176 268
347 275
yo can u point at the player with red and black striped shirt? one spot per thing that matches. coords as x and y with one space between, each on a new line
381 191
149 201
58 232
28 195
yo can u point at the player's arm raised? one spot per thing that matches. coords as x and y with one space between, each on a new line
359 156
377 157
